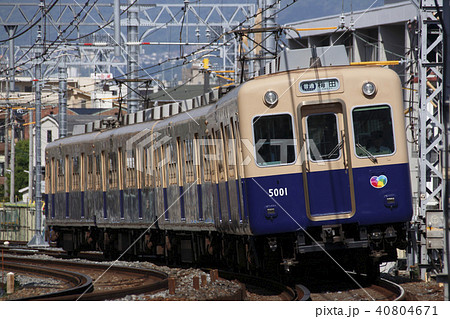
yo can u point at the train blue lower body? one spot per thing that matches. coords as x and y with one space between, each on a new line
278 204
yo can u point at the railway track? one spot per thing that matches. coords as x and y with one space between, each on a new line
73 283
285 293
342 290
106 282
253 288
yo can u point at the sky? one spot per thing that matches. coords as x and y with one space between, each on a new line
291 11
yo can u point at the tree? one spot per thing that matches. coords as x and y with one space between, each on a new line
22 160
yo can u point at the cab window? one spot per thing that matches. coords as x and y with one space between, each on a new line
274 139
373 131
323 138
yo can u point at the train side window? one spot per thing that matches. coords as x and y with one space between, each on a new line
206 160
196 163
139 168
165 156
67 175
98 173
238 149
172 167
61 174
48 179
75 173
230 151
53 175
103 171
179 159
147 167
274 139
90 172
120 165
221 160
323 137
112 170
189 160
373 130
157 166
131 168
212 157
82 172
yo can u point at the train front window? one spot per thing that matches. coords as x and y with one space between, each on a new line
274 139
323 138
373 131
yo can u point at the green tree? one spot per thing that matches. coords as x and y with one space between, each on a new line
22 159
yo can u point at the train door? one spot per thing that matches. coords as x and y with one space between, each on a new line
326 163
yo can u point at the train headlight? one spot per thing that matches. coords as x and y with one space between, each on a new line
271 98
369 89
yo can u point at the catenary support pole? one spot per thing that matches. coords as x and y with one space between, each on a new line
37 240
62 96
133 55
445 155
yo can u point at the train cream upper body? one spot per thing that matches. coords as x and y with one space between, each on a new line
250 99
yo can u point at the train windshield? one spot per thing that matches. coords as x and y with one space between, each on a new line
373 130
323 139
274 139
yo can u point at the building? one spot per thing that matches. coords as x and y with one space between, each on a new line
88 99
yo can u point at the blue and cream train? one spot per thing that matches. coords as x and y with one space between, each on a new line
285 166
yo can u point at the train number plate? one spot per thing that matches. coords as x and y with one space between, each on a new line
320 85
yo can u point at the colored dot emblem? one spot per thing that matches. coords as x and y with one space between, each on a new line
378 181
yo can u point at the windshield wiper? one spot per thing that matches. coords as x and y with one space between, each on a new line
336 148
367 153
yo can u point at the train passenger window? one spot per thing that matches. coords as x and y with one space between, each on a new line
157 166
179 161
189 160
139 168
90 172
206 160
323 137
373 131
147 167
75 173
172 167
53 176
274 139
112 170
197 158
83 172
131 168
61 173
230 151
98 173
67 176
103 164
120 166
48 173
221 172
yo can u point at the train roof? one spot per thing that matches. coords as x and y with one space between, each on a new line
132 129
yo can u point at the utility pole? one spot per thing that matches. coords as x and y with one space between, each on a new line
37 240
11 30
62 97
445 23
133 55
117 38
30 158
269 23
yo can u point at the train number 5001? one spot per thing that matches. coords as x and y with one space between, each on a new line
276 192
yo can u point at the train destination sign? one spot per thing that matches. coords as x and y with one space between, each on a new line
320 85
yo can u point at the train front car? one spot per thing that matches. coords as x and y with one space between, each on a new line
328 169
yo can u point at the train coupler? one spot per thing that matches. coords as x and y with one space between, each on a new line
288 263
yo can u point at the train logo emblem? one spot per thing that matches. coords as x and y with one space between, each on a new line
378 181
